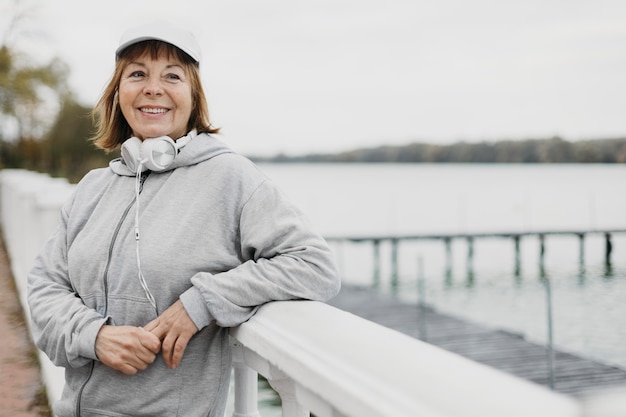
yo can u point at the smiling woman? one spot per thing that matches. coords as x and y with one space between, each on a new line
139 316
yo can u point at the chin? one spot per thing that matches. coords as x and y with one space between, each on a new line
151 134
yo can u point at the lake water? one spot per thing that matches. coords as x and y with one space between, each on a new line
589 307
589 311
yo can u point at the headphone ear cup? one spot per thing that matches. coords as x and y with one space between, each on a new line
158 153
131 153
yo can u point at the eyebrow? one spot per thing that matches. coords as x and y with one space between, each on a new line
168 66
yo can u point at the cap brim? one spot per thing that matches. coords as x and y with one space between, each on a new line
183 40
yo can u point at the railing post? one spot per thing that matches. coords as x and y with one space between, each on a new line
286 389
246 386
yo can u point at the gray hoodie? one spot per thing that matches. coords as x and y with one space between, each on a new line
215 232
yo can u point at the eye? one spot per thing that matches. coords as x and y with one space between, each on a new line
173 77
136 74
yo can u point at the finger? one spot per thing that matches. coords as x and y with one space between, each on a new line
157 327
179 351
143 359
152 325
173 349
130 365
127 369
160 331
124 366
167 345
150 341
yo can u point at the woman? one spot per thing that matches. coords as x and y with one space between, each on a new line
162 251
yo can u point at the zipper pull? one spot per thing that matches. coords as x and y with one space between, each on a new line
143 178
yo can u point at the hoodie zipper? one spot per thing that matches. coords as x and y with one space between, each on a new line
114 239
110 254
106 279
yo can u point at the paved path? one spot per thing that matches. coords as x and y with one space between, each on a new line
21 390
502 350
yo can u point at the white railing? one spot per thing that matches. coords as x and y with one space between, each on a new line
29 212
319 359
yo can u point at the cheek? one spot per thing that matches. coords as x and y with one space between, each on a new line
186 105
125 100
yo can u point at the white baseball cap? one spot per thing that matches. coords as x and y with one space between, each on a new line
162 31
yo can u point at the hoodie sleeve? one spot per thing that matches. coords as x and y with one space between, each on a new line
285 260
62 326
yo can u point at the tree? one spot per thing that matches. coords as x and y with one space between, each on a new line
30 94
68 152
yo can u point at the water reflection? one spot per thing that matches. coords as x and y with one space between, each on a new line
580 311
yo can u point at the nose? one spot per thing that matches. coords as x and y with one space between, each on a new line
153 87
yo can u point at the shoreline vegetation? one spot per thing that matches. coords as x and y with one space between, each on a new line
530 151
64 151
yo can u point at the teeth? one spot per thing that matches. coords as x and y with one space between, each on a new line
147 110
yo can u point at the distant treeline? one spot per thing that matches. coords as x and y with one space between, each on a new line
553 150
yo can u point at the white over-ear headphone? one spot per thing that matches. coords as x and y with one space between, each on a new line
155 154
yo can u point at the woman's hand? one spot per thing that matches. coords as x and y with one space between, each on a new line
127 349
174 328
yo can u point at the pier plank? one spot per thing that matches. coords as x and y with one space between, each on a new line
500 349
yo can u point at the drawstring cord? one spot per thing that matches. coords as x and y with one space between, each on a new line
142 280
141 162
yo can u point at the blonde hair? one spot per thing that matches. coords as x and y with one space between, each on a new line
112 129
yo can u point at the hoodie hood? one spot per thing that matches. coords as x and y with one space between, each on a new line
201 148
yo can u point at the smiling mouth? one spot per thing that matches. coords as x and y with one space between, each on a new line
153 111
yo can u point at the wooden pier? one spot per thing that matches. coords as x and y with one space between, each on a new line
503 350
470 238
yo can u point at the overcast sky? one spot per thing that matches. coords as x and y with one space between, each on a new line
299 76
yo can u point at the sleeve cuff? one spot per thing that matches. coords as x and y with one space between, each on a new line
196 307
87 340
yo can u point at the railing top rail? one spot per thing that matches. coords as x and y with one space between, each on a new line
364 369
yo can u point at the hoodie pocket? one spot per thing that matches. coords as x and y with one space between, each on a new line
130 311
152 392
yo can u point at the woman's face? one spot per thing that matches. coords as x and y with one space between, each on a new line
155 97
